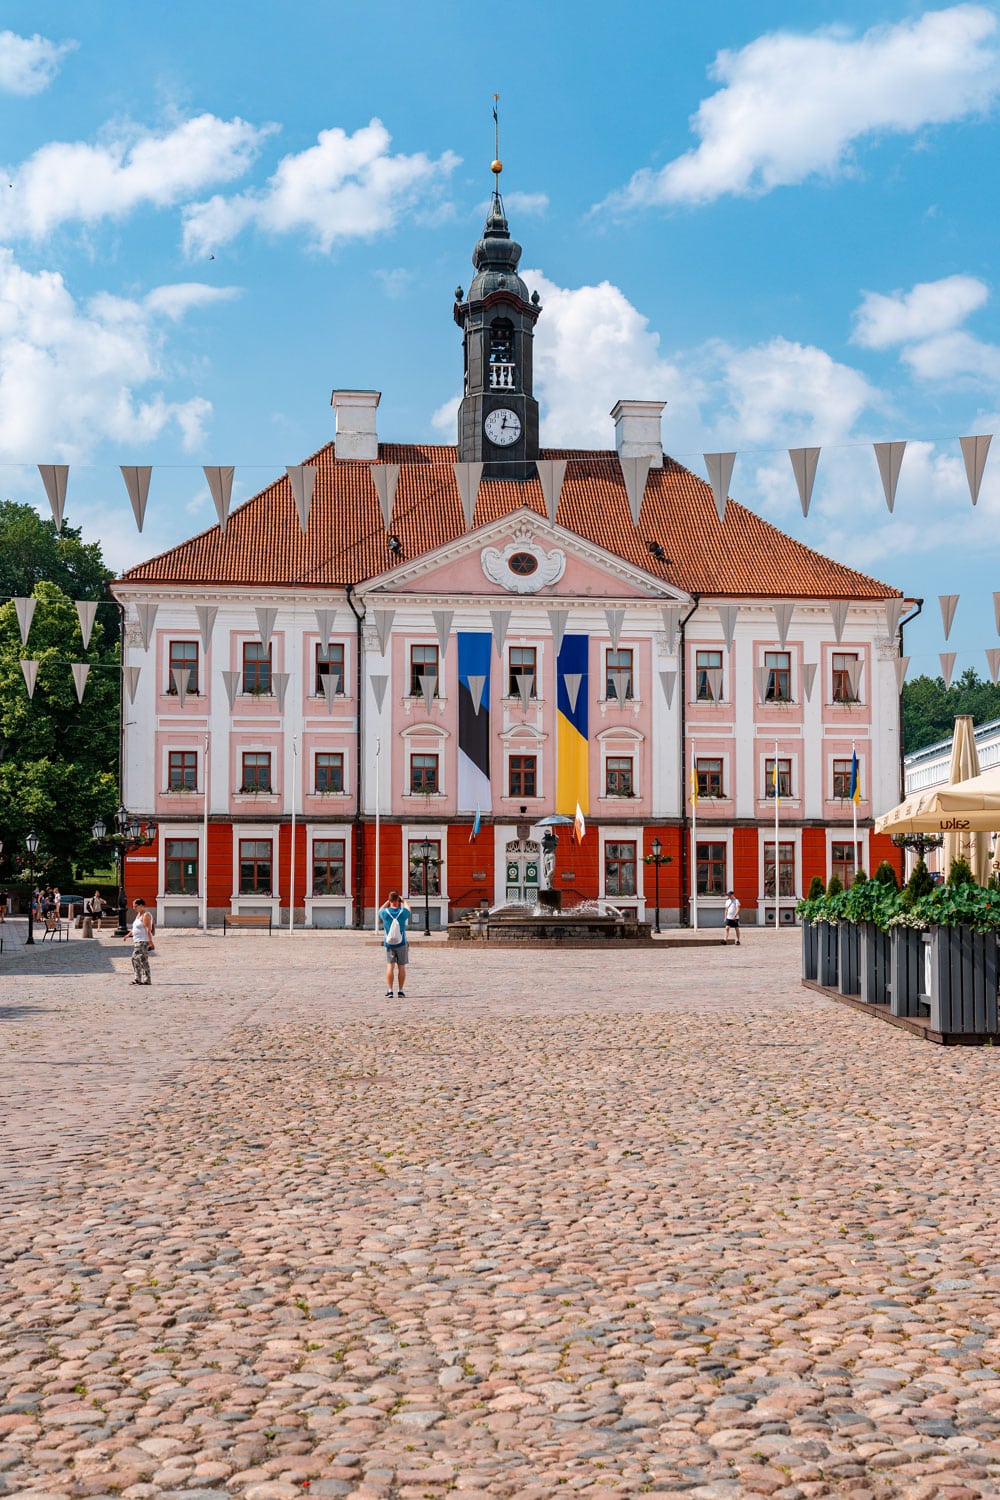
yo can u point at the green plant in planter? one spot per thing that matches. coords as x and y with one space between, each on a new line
835 887
918 886
816 888
871 901
886 875
960 874
859 879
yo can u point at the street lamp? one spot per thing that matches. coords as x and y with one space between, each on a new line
31 844
656 859
425 859
918 842
131 833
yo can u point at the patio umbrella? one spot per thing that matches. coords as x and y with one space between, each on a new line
965 843
968 807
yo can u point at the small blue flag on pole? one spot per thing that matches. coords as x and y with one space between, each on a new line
476 825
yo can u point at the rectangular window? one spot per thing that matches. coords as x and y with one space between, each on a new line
786 869
842 779
256 771
328 867
842 863
183 657
423 773
255 867
708 769
842 666
181 867
330 771
256 668
779 676
711 869
618 670
618 776
417 867
182 770
708 666
330 663
522 660
619 869
424 663
784 777
521 778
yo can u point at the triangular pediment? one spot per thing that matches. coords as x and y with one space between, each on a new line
523 556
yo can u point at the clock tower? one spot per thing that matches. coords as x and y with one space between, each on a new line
498 415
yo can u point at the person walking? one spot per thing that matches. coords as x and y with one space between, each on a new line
732 918
395 915
142 942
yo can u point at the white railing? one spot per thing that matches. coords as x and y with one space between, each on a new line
502 377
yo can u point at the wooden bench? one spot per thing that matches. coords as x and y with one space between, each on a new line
258 919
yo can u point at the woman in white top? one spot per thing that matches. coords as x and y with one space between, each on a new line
142 941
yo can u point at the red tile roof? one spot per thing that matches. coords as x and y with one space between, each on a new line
346 541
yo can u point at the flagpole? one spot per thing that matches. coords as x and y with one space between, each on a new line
777 809
854 807
204 878
291 871
378 832
694 841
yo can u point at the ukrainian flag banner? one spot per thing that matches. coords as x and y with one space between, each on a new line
855 788
572 744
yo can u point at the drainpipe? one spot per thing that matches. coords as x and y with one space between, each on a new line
902 766
682 689
359 853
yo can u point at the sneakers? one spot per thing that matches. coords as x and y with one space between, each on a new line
388 994
400 994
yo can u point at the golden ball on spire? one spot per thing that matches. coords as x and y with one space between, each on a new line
496 167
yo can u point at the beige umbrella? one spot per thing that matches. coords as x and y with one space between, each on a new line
968 807
966 843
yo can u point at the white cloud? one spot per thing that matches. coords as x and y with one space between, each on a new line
929 308
792 392
71 180
28 64
179 298
954 356
344 187
72 376
792 106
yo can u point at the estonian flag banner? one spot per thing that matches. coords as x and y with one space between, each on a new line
474 654
572 748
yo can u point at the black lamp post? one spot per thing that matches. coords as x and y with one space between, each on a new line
31 844
425 859
131 834
918 842
656 859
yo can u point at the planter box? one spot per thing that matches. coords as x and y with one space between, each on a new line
876 964
908 997
828 953
810 951
849 958
963 980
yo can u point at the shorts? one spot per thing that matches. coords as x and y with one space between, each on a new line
732 922
400 954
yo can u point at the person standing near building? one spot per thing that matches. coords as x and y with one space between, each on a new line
142 942
732 918
395 915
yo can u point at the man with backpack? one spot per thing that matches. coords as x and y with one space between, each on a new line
395 915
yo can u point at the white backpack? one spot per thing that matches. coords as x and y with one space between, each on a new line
394 937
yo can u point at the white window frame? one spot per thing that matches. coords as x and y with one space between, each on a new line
344 903
246 901
416 833
628 834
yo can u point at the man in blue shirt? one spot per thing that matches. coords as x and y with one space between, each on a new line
394 915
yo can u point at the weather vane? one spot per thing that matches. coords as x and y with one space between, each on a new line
497 166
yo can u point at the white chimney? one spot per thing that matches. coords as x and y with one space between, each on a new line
355 435
637 430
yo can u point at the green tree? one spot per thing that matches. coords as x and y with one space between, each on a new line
58 757
32 551
930 709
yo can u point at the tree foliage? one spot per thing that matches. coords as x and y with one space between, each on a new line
32 551
930 709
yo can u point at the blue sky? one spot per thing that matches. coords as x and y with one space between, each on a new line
784 228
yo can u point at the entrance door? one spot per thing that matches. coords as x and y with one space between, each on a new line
522 871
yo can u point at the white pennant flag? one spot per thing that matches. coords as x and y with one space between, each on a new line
147 616
893 615
385 478
720 472
635 472
325 619
467 477
302 478
206 614
615 619
974 451
551 474
81 671
783 612
428 687
137 477
899 666
948 603
86 610
557 624
55 477
231 682
266 618
181 678
279 681
330 682
808 678
571 682
728 615
131 678
477 682
992 658
947 660
621 681
854 667
762 676
671 624
383 628
30 670
525 682
25 611
890 458
379 684
220 485
667 681
500 620
838 611
442 624
804 462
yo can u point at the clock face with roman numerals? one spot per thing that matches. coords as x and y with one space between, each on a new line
502 427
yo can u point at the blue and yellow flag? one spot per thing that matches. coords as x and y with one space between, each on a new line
855 792
694 783
776 780
572 741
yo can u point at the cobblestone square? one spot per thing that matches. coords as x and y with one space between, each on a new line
613 1222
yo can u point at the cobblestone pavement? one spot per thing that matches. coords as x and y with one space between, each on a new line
606 1222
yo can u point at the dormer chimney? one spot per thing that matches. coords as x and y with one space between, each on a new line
637 430
355 434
